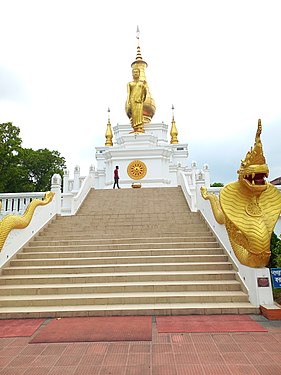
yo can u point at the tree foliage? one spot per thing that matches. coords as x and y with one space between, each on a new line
25 169
217 184
275 247
39 166
10 145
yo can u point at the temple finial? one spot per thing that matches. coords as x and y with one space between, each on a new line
173 132
259 129
108 133
139 57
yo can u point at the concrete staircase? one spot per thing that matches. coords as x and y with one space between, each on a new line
126 252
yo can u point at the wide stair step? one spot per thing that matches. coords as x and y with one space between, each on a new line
128 251
131 276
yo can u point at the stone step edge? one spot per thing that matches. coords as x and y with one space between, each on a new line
4 279
124 295
141 273
160 258
121 265
105 241
130 251
122 284
80 243
168 309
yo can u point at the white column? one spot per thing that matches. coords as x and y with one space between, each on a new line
65 181
206 171
76 182
56 188
194 168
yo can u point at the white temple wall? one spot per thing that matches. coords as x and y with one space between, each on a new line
157 169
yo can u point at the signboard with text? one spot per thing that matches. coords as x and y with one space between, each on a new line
276 277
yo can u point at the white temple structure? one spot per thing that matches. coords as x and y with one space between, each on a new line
152 156
160 159
147 158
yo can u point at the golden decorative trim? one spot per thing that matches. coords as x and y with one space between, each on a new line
136 170
11 221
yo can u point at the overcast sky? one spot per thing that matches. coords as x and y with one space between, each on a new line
64 62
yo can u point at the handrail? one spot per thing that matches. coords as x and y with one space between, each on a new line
87 184
190 198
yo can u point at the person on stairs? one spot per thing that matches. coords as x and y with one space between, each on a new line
116 177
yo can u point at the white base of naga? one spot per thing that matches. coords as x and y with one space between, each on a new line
162 159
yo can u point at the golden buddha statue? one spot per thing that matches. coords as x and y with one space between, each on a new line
136 95
140 106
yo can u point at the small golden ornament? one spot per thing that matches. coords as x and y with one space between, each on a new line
136 170
253 209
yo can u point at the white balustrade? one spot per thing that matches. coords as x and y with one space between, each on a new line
16 203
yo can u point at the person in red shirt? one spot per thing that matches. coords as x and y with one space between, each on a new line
116 177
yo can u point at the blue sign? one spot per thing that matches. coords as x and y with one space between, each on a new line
276 277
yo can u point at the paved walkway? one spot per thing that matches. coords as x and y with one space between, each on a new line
166 354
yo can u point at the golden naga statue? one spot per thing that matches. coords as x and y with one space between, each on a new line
11 221
136 94
249 208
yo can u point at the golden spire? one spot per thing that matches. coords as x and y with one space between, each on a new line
138 58
174 132
149 104
108 133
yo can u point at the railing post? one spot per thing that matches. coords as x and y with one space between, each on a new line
206 172
76 182
56 188
193 173
65 181
92 175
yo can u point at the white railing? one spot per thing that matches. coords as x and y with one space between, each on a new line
71 201
189 195
17 238
16 203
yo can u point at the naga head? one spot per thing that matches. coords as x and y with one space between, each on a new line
49 195
253 170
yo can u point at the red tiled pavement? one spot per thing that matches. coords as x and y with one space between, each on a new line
167 354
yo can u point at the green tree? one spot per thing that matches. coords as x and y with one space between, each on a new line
217 184
275 247
10 146
24 169
39 166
